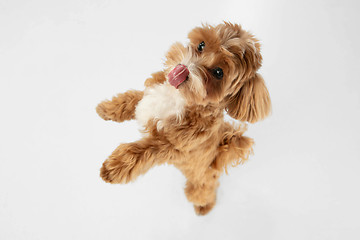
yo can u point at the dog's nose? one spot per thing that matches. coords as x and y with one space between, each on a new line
178 75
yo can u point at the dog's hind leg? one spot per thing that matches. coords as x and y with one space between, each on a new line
203 193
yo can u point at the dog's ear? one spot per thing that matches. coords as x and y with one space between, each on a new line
251 102
241 44
251 58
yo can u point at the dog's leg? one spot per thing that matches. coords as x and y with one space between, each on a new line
203 193
233 149
133 159
156 78
121 107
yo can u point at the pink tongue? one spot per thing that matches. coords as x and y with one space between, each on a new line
178 75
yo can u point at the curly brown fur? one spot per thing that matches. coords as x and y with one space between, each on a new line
185 126
121 107
156 78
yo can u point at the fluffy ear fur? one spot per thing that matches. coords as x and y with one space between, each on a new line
250 57
251 103
243 45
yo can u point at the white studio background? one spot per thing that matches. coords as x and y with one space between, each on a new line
59 59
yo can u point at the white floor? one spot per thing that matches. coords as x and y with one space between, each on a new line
58 59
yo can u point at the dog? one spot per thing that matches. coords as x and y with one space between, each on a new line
182 111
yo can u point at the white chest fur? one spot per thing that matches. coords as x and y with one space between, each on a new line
159 102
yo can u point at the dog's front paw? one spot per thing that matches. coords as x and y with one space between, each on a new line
102 111
106 174
112 172
120 167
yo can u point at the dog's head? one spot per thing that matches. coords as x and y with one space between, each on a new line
219 66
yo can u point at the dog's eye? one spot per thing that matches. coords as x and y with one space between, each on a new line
218 73
201 46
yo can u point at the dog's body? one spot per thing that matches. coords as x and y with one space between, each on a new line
182 111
